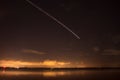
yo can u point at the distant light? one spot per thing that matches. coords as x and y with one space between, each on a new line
4 67
17 67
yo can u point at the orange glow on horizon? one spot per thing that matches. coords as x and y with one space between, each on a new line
46 63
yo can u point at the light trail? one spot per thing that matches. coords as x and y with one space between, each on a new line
52 17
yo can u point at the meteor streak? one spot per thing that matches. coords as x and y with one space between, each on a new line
52 17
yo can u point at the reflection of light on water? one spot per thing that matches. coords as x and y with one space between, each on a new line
54 74
43 73
3 71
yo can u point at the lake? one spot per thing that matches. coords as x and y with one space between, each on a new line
61 75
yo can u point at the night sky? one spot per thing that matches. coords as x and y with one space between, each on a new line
28 35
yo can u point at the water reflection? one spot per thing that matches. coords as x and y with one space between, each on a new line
54 74
61 75
42 73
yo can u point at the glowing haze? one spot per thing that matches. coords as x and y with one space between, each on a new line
46 63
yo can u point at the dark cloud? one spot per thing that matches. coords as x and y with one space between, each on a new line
111 52
32 51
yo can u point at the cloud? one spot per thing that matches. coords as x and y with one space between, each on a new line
32 51
54 63
46 63
96 49
111 52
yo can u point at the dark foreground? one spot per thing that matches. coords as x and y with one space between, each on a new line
103 74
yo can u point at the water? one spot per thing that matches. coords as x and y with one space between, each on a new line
61 75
